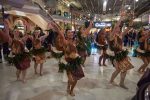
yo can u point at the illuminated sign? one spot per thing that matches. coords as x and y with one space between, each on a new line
101 24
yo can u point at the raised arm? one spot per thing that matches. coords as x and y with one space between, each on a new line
42 38
60 32
87 30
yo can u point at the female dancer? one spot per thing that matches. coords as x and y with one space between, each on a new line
143 50
81 43
121 60
73 68
71 55
39 52
102 44
21 59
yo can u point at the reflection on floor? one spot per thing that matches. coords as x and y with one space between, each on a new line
52 85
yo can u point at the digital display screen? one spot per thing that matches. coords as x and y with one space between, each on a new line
102 24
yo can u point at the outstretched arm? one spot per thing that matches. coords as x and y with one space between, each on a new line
87 30
60 32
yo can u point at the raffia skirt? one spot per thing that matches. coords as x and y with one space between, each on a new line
76 74
39 59
24 64
123 65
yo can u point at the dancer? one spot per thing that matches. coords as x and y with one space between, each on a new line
120 59
73 66
39 51
21 59
81 43
102 45
143 50
58 51
74 70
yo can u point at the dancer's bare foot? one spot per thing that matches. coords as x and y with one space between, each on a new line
123 86
72 94
68 90
41 74
36 72
114 83
100 64
104 65
18 79
24 81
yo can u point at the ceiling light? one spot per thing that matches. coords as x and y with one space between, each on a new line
129 7
136 0
68 5
104 5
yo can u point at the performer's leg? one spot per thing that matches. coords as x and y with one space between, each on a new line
122 76
114 75
24 76
72 87
142 68
84 59
100 59
70 81
35 67
41 69
18 72
104 57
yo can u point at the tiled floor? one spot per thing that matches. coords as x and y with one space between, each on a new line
52 85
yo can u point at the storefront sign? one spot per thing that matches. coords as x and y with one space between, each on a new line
101 24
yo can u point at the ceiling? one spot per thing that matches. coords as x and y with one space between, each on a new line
93 6
96 6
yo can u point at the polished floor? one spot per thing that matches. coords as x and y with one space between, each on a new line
52 85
